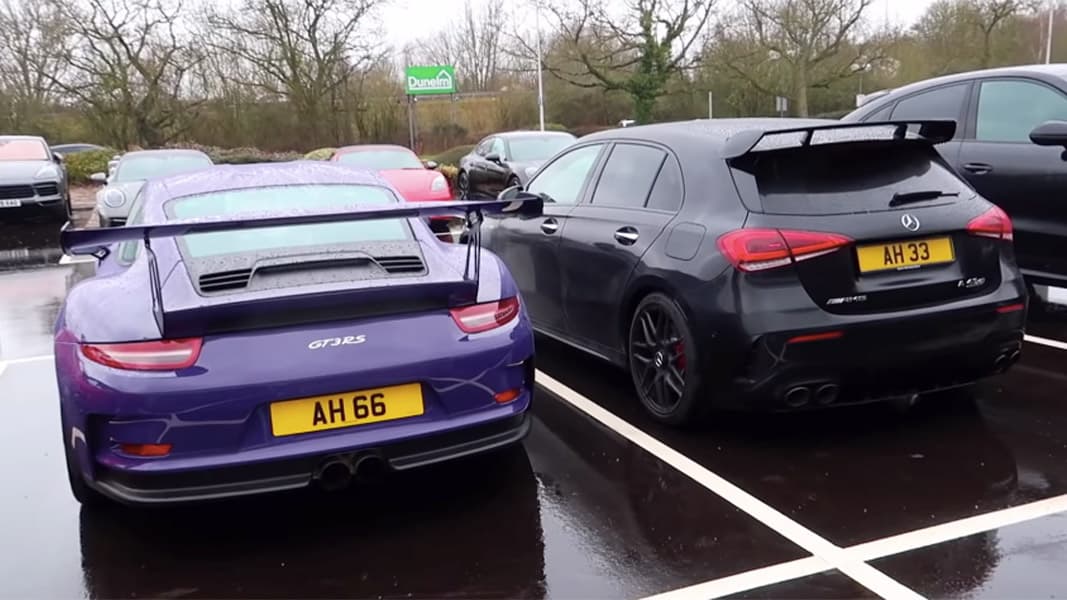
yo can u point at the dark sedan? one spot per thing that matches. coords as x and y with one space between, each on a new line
735 263
1009 146
503 160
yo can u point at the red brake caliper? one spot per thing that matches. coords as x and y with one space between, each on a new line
679 349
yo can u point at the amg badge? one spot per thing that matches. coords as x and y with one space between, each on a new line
334 342
846 300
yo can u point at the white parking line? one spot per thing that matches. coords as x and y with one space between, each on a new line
873 550
1033 339
962 528
26 359
820 547
749 580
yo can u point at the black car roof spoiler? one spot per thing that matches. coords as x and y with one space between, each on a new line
95 241
745 142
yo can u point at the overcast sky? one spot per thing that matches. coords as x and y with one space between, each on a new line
409 20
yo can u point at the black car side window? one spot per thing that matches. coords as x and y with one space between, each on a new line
668 190
881 114
564 178
627 177
1008 110
941 103
483 147
497 147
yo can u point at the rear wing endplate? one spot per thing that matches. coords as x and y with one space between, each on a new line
95 241
748 141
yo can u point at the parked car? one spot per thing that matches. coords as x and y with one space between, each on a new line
1010 146
769 263
396 352
503 160
416 180
130 173
32 178
67 149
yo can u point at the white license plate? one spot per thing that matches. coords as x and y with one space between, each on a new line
10 203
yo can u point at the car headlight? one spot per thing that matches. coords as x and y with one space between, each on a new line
47 172
114 198
530 171
439 184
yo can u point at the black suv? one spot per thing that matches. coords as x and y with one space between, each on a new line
1009 145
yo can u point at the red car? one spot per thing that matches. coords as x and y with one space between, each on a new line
415 180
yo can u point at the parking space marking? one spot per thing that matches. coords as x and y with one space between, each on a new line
835 556
873 550
749 580
953 530
1033 339
26 359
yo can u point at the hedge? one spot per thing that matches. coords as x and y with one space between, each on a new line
81 165
452 155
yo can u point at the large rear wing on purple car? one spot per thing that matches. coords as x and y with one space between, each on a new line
96 241
757 140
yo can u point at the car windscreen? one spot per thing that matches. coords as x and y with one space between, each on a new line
23 150
841 178
282 199
140 168
535 148
381 159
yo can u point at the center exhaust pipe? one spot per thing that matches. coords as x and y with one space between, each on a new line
826 394
335 475
370 468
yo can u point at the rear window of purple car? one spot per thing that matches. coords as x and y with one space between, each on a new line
282 199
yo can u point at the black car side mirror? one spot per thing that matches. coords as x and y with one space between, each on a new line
1050 133
493 157
57 157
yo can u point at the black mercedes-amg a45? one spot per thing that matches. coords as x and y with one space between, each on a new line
769 263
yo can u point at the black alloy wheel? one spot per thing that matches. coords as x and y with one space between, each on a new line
463 182
663 360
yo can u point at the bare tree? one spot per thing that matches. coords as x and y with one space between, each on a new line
634 49
127 64
801 43
306 52
474 44
989 15
31 57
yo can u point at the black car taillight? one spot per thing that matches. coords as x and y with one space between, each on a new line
761 249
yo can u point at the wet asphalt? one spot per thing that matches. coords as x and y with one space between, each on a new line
577 512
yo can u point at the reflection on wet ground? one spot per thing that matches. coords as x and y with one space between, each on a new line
1021 561
579 513
26 244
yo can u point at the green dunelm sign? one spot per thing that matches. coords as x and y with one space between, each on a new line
439 79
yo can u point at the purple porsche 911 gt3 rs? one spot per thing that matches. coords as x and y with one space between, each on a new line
262 327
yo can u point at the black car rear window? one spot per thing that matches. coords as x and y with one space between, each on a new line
841 178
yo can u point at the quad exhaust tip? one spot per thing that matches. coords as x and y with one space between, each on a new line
798 396
826 394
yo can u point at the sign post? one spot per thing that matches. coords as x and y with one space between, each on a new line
426 81
781 104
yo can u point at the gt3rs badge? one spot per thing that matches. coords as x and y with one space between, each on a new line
334 342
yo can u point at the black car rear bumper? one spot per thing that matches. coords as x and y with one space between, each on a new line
216 484
849 363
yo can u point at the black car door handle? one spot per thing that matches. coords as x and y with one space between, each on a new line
978 168
626 235
549 226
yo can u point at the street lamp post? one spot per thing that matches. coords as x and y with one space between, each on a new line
540 75
1048 37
